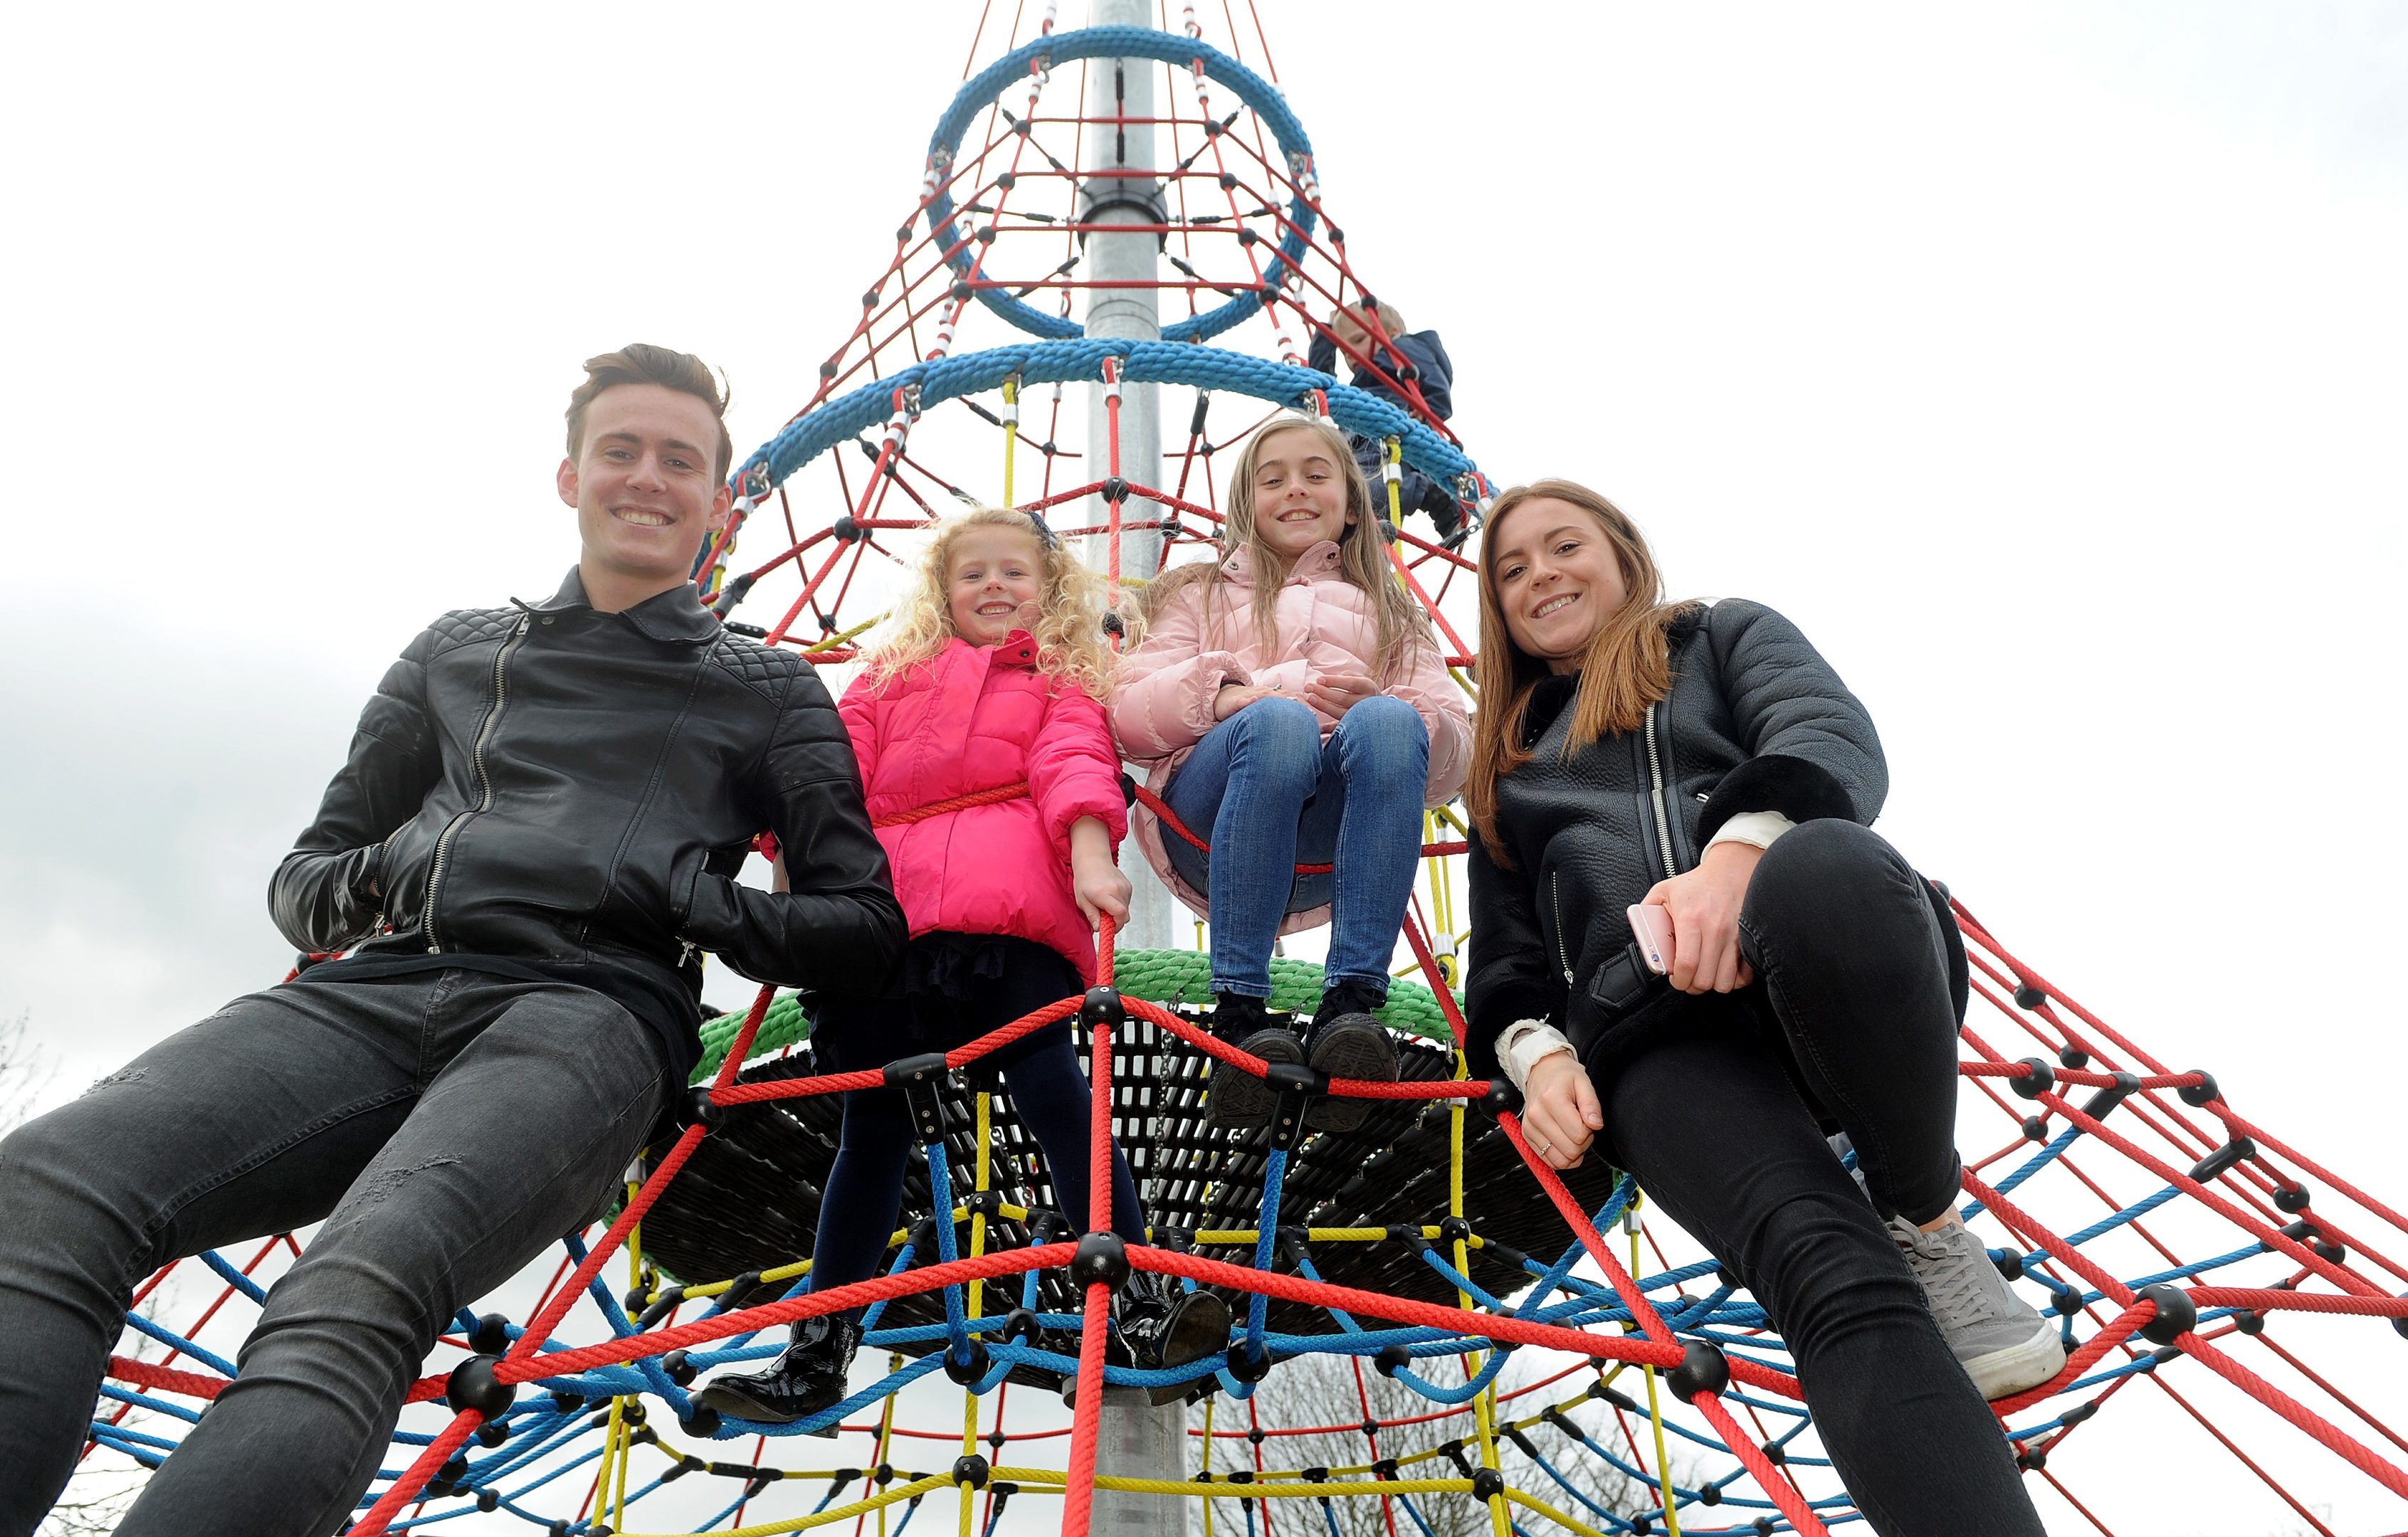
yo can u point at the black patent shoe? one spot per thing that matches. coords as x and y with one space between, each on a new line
1344 1041
1166 1327
809 1379
1236 1098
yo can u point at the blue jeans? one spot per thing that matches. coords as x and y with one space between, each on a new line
1270 795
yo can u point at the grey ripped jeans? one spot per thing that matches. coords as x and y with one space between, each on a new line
447 1125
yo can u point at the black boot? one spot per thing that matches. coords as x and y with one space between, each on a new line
1167 1327
1346 1042
1239 1099
809 1379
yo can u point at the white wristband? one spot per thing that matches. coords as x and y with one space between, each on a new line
1523 1045
1751 826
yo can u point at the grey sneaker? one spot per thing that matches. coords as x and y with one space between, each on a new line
2003 1343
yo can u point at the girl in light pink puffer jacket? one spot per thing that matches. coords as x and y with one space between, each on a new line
1290 706
986 691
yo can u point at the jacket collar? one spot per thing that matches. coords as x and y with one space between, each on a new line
1016 649
676 615
1313 565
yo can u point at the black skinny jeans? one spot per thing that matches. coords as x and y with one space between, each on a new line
1718 1128
864 1186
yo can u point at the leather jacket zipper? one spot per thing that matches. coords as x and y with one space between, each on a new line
1655 777
484 784
1556 900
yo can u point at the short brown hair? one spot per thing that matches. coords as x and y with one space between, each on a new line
642 363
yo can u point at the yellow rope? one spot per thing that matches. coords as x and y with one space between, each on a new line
977 1296
1011 431
1654 1411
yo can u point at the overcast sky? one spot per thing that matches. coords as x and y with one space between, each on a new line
2045 367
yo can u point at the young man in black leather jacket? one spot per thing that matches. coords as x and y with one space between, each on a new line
528 849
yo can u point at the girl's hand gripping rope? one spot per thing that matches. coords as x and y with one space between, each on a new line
1102 891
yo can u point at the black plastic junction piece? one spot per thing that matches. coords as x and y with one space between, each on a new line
918 1077
1775 1453
2203 1093
1102 1005
732 593
1385 1470
1703 1369
447 1478
489 1500
491 1336
2099 1105
1100 1256
2248 1321
661 1307
2223 1159
2033 1084
2398 1326
1762 1526
677 1368
1502 1097
473 1386
493 1432
2029 998
2035 1128
1488 1484
1316 1476
2009 1262
2031 1460
700 1110
1710 1494
2177 1314
1021 1324
1298 1087
2066 1301
967 1370
1615 1396
2292 1198
1250 1363
1454 1229
2074 1057
1115 488
701 1421
1114 624
972 1472
1391 1359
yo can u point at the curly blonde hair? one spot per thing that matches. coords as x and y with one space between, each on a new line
1071 602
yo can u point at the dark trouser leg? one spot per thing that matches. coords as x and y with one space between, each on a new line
864 1190
515 1141
1056 1103
1718 1136
1868 990
253 1122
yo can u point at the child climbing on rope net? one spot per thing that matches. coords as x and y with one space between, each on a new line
1292 709
1395 365
991 777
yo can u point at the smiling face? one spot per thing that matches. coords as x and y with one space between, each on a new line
1556 579
992 583
643 487
1299 492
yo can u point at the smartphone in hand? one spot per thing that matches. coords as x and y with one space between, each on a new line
1653 924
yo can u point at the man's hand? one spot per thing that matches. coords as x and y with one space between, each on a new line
1559 1112
1096 882
1334 693
1234 697
1704 906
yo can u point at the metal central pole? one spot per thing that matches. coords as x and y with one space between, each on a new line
1119 186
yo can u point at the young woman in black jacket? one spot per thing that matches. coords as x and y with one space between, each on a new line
1704 759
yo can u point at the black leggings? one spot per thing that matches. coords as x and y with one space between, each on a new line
1717 1127
865 1188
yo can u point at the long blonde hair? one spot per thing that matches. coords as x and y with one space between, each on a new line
1626 667
1362 554
1071 604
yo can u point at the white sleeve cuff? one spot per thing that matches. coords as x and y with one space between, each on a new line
1523 1043
1751 826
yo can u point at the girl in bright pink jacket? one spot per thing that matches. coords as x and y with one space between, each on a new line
986 694
1290 706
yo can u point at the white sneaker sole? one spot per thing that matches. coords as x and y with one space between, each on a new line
2001 1373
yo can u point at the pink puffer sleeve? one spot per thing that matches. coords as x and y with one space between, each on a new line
1428 688
1074 771
1163 703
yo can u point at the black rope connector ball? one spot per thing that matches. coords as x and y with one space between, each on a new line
2292 1198
473 1386
2038 1081
1114 624
701 1111
1703 1369
844 529
1454 1229
491 1336
2033 1459
492 1433
1250 1363
701 1422
677 1368
971 1472
489 1500
1710 1494
1102 1257
2029 997
1115 488
968 1369
1502 1097
1391 1359
1020 1324
1102 1005
2202 1093
1488 1484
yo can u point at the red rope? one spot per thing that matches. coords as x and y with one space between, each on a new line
959 803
